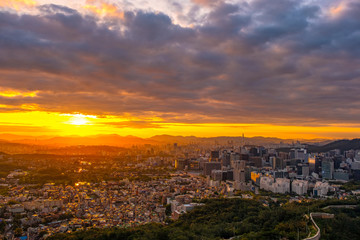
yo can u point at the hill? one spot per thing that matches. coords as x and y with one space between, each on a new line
13 144
128 141
109 140
343 145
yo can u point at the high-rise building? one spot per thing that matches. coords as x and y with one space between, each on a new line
327 169
215 156
257 161
254 151
337 161
315 164
244 157
228 175
181 163
276 163
209 166
300 187
341 174
216 175
225 159
298 153
356 174
311 161
239 171
305 170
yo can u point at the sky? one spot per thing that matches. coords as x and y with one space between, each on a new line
279 68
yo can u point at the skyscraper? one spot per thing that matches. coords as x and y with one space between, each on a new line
327 169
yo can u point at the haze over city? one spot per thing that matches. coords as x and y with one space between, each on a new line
287 69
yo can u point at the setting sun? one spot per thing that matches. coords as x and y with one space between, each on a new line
79 119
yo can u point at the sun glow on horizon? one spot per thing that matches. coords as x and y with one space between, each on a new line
37 123
79 119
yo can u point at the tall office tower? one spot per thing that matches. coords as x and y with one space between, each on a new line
298 153
257 161
337 161
254 151
244 157
239 171
209 166
327 169
315 164
181 163
311 161
225 158
215 156
305 170
276 163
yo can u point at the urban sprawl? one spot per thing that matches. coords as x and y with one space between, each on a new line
46 194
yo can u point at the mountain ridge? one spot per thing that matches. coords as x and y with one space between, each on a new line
342 145
118 140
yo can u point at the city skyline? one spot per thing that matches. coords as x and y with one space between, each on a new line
283 68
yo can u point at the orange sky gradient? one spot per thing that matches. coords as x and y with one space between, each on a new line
36 123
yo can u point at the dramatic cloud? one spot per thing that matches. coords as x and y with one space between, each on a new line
280 61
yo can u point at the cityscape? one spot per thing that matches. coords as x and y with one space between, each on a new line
179 120
47 194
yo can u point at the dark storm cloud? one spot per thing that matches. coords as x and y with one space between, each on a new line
277 61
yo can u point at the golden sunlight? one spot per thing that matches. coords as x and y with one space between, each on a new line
46 123
14 93
79 119
104 9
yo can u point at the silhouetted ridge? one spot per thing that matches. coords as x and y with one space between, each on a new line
343 145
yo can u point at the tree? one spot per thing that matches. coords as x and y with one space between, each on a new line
18 232
168 209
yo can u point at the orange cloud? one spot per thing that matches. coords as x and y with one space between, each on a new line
21 107
335 11
102 8
15 93
18 4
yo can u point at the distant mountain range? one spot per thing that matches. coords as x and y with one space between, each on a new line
343 145
125 141
10 143
108 140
